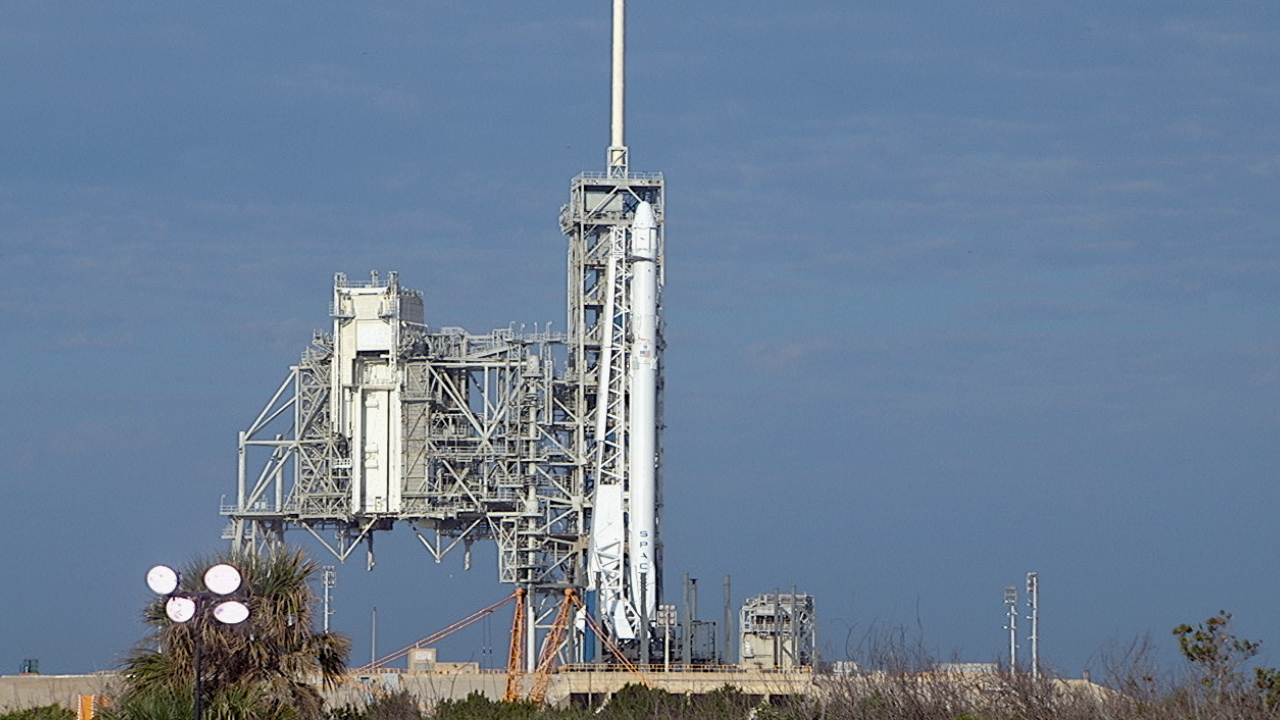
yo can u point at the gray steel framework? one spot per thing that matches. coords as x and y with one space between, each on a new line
485 457
778 630
597 219
487 434
523 438
496 443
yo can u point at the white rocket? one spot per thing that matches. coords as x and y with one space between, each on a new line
642 422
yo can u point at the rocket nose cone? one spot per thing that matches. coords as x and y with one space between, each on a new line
644 217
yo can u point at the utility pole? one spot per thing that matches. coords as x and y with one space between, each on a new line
726 646
1011 599
328 578
1033 602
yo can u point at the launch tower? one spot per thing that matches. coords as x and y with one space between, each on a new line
388 421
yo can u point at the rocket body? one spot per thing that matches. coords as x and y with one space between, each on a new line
642 422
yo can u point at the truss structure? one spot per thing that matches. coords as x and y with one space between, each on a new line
779 630
549 445
461 437
603 351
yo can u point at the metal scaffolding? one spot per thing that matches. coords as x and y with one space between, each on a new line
603 357
477 445
549 445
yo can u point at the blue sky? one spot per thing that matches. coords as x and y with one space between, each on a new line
954 293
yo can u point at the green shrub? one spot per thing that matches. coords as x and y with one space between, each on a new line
44 712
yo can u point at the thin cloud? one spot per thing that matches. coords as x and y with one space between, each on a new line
86 340
783 355
333 83
1208 33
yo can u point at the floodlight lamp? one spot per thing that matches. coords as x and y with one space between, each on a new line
162 579
180 608
231 612
222 579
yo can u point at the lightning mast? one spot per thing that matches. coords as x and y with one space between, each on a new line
617 157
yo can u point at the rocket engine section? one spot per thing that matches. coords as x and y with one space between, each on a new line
368 322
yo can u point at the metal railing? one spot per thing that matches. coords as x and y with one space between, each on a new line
600 175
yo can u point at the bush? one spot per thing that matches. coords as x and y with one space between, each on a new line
44 712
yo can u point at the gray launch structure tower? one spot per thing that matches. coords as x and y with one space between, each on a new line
548 444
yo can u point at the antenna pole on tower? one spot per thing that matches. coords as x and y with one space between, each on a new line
617 159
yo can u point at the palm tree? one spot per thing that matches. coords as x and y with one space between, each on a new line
266 667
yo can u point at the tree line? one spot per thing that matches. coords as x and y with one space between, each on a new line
273 665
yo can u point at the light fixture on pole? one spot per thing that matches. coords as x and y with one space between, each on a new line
220 581
666 621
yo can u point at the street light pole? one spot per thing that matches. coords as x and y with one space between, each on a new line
666 620
220 581
197 702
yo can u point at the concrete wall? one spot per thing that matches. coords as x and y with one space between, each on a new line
25 691
429 688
